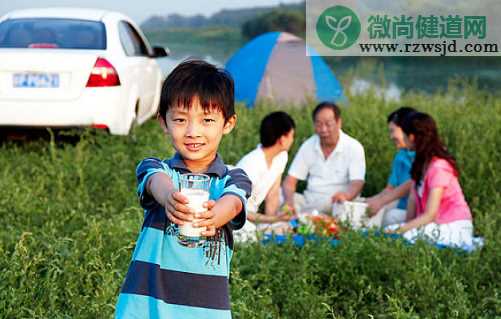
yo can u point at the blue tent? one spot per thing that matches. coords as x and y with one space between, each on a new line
275 66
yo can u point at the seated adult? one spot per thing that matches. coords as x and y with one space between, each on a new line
332 162
264 166
437 210
390 204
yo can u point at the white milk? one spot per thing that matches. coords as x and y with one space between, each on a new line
196 199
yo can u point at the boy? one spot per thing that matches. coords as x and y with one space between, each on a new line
166 279
264 166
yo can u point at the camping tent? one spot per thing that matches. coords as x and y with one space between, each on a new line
275 66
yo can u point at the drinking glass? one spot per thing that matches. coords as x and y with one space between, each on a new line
196 188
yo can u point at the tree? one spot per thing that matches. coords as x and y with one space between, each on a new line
292 21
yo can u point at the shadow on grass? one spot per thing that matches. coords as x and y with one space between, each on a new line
60 136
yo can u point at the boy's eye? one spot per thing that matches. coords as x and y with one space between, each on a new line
209 120
178 120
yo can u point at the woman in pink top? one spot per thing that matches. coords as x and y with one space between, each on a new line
436 209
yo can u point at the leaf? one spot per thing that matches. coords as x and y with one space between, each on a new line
344 23
331 22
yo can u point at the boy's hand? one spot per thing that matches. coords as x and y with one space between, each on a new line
206 219
177 209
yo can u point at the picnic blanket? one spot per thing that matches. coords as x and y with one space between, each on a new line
300 240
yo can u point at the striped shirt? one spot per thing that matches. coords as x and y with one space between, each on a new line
166 279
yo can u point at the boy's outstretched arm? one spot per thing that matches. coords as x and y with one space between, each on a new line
220 212
155 187
162 189
230 207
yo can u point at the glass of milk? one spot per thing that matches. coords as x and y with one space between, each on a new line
196 188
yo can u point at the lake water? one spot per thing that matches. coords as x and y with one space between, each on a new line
389 76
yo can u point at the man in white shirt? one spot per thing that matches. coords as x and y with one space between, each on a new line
332 162
264 167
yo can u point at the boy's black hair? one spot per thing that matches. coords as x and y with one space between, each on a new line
397 117
196 78
274 126
327 105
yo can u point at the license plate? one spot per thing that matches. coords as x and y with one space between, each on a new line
35 80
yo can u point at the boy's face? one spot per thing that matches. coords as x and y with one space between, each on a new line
196 134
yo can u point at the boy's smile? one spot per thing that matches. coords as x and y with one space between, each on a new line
196 133
194 147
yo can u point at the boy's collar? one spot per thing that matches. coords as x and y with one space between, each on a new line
217 166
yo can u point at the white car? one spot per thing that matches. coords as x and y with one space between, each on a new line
69 67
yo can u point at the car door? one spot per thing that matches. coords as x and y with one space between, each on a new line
144 68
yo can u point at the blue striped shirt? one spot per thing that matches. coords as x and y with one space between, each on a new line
166 279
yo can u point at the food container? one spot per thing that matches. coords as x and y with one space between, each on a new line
351 213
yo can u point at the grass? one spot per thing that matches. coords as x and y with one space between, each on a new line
70 219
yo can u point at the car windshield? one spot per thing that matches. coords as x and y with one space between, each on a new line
52 33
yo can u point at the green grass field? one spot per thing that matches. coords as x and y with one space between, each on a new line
70 218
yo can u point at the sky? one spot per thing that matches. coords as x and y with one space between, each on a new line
139 10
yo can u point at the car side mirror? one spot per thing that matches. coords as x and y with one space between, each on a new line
160 52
